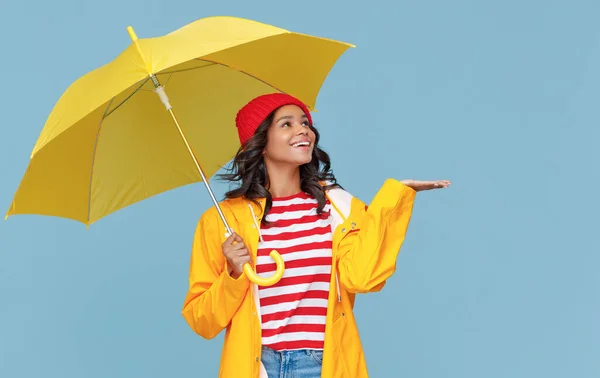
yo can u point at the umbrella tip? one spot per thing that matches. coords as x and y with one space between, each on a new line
6 217
132 34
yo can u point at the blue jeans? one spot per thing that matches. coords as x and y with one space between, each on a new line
305 363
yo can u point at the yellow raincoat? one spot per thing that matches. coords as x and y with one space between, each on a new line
366 243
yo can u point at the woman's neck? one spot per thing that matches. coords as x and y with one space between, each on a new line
283 181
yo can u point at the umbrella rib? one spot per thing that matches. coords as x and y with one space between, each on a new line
188 69
89 209
169 78
107 113
244 72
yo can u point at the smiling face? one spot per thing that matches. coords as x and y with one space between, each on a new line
290 140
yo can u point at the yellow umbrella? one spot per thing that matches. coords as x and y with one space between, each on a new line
109 143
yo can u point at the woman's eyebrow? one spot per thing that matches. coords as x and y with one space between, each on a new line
290 117
284 117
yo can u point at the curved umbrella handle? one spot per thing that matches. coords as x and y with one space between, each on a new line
269 281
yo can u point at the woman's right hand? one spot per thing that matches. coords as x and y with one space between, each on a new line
236 253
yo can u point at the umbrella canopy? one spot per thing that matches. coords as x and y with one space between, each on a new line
109 143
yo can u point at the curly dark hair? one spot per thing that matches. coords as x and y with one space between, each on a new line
248 166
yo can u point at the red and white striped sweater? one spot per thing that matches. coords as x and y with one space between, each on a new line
293 311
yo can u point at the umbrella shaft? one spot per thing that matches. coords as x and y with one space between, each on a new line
204 180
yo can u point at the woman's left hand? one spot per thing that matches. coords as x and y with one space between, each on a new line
426 185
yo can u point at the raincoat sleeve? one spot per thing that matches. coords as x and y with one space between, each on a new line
213 296
367 256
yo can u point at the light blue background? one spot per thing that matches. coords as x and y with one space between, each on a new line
499 275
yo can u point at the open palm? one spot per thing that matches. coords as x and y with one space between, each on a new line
426 185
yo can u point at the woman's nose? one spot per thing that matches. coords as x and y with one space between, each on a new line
301 130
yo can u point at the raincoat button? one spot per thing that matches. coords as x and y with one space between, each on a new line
253 226
343 230
353 225
256 359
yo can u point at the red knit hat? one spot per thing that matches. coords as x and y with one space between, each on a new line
252 114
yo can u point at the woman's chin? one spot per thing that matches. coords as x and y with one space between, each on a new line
302 157
304 161
297 159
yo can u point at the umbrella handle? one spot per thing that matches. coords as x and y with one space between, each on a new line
266 281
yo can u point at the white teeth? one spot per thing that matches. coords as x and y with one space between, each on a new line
300 144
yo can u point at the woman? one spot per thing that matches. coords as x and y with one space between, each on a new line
333 245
